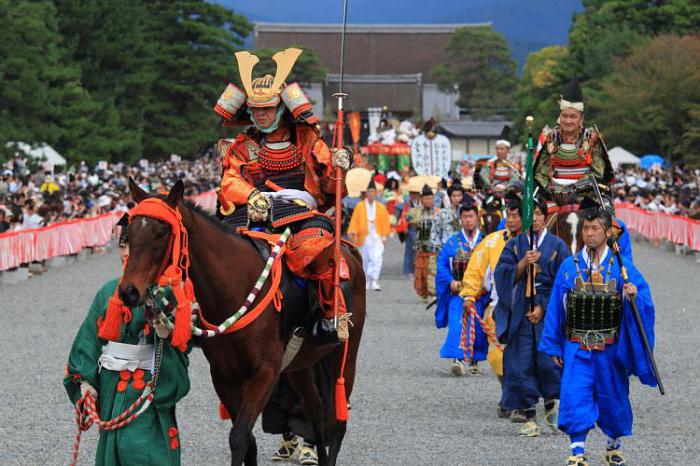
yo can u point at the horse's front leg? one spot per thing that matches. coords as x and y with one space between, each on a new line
255 393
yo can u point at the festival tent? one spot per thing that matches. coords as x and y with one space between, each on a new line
620 156
649 160
40 152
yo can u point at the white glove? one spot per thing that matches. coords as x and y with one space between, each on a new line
341 158
85 387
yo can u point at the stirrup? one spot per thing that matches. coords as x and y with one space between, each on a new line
325 333
577 460
614 458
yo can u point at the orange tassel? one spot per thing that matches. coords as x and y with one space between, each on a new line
341 401
189 290
183 318
223 412
110 327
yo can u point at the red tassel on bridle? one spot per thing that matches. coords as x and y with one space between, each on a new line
174 272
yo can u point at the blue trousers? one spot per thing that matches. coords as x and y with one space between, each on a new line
594 390
450 349
528 375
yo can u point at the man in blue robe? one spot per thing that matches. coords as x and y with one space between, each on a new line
451 265
619 229
528 374
598 355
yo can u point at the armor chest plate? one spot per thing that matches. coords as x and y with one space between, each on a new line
276 166
593 314
501 172
460 263
425 226
278 157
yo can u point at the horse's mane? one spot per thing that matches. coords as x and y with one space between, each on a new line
213 219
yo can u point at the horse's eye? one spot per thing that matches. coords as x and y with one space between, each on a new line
162 233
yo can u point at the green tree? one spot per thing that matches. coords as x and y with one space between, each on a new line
116 54
42 98
195 43
537 90
606 29
480 65
651 100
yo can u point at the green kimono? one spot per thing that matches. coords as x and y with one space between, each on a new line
153 438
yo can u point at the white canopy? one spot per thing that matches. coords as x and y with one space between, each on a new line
620 156
41 151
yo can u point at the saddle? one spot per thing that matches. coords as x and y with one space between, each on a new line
301 304
282 213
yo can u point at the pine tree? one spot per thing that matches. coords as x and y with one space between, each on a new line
196 41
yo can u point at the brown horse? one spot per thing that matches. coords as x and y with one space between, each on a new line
569 227
491 217
245 364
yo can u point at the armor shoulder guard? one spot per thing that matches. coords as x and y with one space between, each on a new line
223 147
244 148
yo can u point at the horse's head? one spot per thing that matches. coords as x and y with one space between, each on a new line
149 242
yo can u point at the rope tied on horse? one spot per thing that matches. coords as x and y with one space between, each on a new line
236 321
87 413
468 325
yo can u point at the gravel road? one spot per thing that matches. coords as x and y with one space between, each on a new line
407 409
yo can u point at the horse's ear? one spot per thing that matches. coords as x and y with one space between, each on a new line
176 194
137 194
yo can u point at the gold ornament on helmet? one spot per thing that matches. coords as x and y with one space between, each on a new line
265 91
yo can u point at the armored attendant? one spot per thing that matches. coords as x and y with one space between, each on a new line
451 265
116 372
591 332
528 375
478 281
407 231
423 219
279 172
570 151
369 228
447 222
498 170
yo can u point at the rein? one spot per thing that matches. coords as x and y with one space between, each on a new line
87 414
244 315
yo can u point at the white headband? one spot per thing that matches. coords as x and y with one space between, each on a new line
564 104
503 142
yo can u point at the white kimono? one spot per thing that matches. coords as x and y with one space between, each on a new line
373 248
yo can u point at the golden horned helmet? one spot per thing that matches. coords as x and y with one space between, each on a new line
265 91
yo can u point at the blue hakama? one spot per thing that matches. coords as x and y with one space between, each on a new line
595 384
528 374
449 310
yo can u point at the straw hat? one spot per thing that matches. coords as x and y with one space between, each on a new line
422 180
357 180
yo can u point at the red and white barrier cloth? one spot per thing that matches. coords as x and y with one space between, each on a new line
69 237
655 225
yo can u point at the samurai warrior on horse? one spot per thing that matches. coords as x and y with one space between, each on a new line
258 311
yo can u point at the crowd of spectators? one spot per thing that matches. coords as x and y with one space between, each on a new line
672 191
32 198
